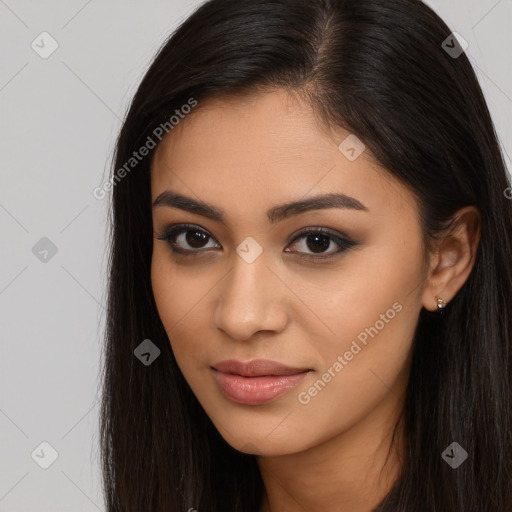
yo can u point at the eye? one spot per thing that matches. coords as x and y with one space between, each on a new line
186 238
190 240
319 240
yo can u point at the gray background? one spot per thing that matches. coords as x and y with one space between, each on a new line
59 120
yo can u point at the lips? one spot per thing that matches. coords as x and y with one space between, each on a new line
256 382
256 368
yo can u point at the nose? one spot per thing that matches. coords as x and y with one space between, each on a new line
251 299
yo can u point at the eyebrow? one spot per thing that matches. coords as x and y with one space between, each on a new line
274 214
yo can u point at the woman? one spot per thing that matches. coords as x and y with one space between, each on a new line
310 276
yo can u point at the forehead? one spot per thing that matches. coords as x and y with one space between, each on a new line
275 125
265 149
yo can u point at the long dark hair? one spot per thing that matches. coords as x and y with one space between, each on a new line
379 69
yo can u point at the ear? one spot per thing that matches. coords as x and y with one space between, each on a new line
453 258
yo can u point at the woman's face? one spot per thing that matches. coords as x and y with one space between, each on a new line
340 307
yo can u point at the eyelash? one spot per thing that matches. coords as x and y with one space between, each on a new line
343 243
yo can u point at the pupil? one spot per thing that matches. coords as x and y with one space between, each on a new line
322 244
197 240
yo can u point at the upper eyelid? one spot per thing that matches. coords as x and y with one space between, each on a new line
183 228
177 228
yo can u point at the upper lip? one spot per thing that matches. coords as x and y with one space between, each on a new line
256 368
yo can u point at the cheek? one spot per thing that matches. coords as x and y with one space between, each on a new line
386 272
180 296
361 368
366 365
177 288
373 314
164 286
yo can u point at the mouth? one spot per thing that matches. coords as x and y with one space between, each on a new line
256 382
257 368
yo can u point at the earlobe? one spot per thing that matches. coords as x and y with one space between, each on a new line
435 304
441 303
453 260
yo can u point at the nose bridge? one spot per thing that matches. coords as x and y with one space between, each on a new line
248 300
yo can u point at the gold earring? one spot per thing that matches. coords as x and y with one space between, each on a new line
441 303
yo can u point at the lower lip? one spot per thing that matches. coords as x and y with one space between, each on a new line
256 390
